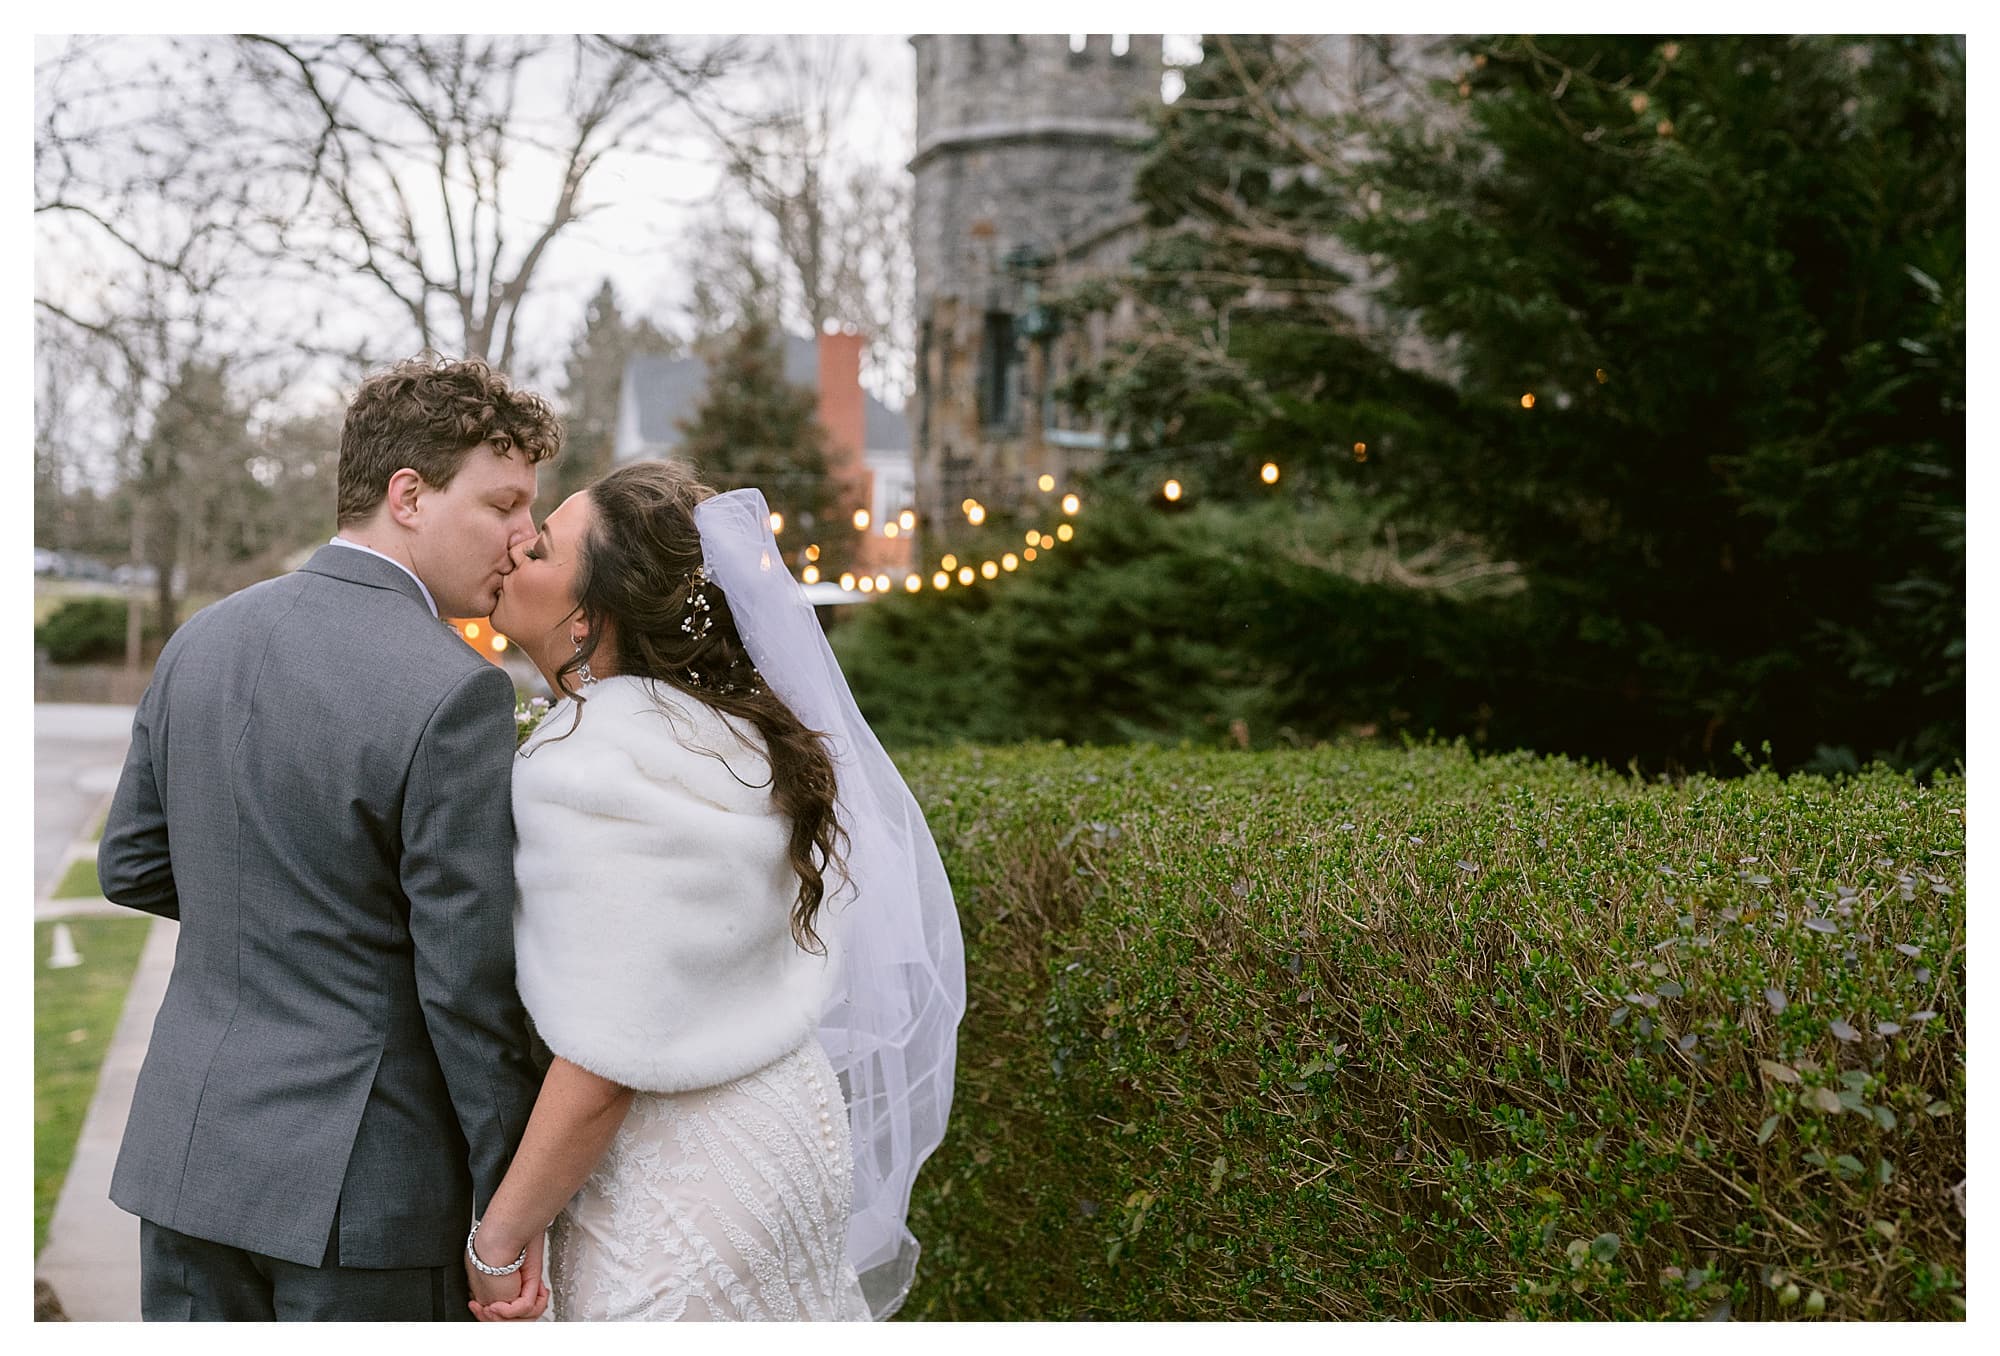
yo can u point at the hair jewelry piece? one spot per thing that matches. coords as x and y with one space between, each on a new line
698 605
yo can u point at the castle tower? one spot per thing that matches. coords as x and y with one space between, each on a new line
1025 155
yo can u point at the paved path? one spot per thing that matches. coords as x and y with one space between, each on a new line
91 1258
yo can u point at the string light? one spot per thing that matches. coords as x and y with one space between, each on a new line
472 630
990 570
949 562
812 552
1528 401
1602 376
1269 473
1064 532
967 505
847 581
811 575
977 516
913 583
1010 562
867 585
1048 542
1172 491
861 520
499 644
965 575
1071 503
777 523
882 582
1034 537
907 520
1028 554
890 529
1046 483
940 581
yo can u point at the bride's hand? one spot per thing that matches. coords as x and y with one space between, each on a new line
533 1300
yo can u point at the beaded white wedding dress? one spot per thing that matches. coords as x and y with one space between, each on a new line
723 1203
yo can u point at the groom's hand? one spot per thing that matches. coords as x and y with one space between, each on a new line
521 1297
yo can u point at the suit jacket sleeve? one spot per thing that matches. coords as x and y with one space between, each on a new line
458 874
134 867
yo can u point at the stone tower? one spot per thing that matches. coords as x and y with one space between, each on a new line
1025 154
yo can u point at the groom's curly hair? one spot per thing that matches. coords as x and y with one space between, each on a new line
636 570
427 413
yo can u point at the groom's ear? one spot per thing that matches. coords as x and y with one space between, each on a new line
406 492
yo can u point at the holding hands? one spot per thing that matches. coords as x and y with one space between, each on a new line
519 1296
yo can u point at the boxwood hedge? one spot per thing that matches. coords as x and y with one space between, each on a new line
1359 1032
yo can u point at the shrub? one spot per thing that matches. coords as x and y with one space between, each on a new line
1362 1033
86 631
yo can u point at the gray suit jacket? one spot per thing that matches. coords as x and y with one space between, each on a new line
318 788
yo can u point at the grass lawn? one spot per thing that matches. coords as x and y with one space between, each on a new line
76 1010
80 881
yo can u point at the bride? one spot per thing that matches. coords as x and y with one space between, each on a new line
733 933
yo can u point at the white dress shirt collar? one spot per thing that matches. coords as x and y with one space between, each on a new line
357 546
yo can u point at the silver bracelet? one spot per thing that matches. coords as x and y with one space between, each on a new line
473 1257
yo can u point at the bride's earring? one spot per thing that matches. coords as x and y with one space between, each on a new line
583 672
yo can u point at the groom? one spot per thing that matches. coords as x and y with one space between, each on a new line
318 789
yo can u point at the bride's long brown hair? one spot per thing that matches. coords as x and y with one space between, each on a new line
636 570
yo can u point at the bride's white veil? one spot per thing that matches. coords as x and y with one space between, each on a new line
890 1025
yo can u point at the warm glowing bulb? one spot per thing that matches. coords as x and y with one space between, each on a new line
1028 554
990 570
777 523
499 644
949 562
812 552
967 505
1064 532
847 580
1010 562
1528 401
861 520
965 575
907 520
977 516
1034 537
1047 483
1270 473
811 575
890 529
913 583
1048 542
1071 503
1172 491
472 630
940 580
1602 376
882 583
867 584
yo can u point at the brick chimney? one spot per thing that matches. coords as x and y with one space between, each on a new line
845 417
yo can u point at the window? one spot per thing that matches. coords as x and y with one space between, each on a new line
1000 371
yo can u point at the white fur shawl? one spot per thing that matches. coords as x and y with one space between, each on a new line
653 931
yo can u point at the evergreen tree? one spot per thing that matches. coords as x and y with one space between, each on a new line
1694 312
753 428
593 380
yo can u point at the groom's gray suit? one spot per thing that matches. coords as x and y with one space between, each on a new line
318 788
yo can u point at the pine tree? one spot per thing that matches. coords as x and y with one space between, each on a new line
753 428
593 380
1695 311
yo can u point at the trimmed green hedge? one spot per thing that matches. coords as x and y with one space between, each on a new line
1365 1033
87 631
